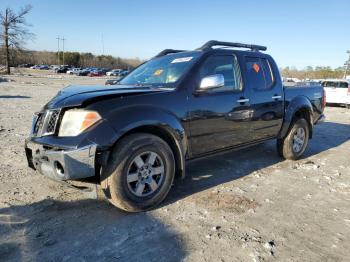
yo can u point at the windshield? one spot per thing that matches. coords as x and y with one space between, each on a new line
162 71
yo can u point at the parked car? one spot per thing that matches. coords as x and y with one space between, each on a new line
291 80
54 67
337 91
84 72
62 69
72 71
114 72
44 67
134 137
35 67
117 72
98 72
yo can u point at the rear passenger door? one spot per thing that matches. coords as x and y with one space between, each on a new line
266 97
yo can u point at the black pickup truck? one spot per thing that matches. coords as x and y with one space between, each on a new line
135 137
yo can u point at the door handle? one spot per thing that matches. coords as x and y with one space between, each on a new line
276 97
243 100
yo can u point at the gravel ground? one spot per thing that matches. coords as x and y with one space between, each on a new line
247 205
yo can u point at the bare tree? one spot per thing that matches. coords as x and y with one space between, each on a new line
13 32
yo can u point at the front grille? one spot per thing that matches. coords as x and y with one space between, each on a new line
45 123
51 125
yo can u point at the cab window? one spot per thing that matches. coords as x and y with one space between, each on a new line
226 65
259 73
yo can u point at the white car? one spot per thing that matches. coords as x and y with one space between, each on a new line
291 80
73 71
337 91
114 72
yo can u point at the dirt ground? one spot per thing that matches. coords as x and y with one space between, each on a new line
247 205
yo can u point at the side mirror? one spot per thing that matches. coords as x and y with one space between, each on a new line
211 82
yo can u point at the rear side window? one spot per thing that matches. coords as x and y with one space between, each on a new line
259 73
343 85
335 84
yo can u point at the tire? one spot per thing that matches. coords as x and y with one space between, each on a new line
290 147
118 179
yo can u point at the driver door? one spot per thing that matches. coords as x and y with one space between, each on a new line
219 117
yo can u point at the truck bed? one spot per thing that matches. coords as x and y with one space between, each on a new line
314 93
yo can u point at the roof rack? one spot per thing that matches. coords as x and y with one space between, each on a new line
212 43
168 51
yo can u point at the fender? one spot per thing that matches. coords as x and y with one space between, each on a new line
297 103
143 118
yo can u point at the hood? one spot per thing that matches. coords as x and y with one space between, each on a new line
71 96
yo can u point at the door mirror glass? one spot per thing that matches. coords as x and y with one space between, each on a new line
211 82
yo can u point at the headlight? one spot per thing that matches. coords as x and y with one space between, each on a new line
75 121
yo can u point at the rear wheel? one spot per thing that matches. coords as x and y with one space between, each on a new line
139 174
294 144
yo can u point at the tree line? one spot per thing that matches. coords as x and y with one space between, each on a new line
318 72
72 58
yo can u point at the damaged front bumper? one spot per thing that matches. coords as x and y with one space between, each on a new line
61 164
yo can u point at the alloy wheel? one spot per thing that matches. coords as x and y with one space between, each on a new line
145 174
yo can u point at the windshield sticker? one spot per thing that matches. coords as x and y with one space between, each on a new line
182 59
158 72
256 67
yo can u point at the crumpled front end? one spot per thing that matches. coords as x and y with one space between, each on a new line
60 164
71 157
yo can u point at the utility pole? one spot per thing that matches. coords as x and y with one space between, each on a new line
103 45
58 49
63 39
347 65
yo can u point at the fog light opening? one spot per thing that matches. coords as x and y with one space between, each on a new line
59 169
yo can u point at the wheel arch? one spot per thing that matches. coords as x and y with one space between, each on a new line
299 107
174 138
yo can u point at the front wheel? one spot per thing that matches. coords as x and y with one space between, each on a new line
294 144
139 173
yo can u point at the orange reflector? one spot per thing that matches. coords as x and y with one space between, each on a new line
90 119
